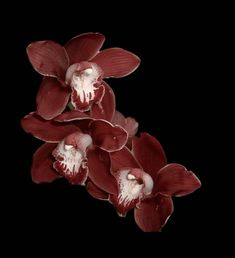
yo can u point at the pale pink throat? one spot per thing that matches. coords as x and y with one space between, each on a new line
85 80
134 184
70 155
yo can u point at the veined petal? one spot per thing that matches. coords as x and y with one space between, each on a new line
71 116
96 192
176 180
48 58
149 153
106 136
46 130
51 98
75 118
116 62
70 155
42 167
83 47
152 214
106 108
122 159
99 171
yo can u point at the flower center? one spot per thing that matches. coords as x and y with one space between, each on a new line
133 186
71 159
84 79
70 154
83 83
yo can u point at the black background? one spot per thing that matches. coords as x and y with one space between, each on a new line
173 97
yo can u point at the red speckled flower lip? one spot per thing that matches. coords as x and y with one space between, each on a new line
87 142
70 156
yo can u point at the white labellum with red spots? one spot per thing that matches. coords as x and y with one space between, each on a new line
85 81
133 185
70 155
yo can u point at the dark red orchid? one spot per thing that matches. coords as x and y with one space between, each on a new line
76 71
70 141
140 179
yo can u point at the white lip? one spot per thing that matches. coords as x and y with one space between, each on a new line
71 158
129 187
83 83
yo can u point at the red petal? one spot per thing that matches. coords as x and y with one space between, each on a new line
96 192
116 62
79 119
105 109
84 47
129 123
176 180
106 136
71 116
51 98
42 168
99 171
48 58
122 159
152 214
49 131
149 153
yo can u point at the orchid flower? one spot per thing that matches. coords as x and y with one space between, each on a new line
74 73
140 179
69 143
